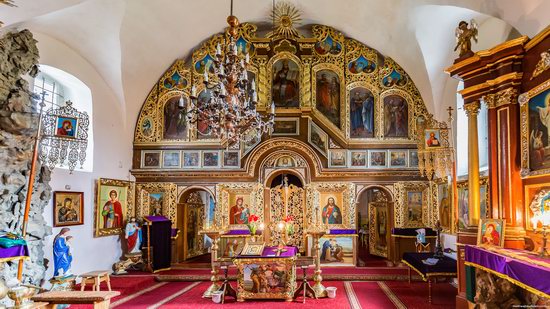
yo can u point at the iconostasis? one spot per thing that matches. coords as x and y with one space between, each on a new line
346 121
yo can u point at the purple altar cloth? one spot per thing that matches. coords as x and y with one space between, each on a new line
14 252
174 232
242 232
157 218
342 231
534 276
272 252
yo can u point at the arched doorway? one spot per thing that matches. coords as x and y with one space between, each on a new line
195 212
374 213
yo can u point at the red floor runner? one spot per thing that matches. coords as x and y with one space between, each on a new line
193 299
415 295
371 296
153 297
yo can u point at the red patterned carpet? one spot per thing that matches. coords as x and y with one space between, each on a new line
141 291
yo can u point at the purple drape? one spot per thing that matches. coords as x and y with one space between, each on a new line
14 252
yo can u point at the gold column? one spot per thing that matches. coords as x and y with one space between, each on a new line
472 111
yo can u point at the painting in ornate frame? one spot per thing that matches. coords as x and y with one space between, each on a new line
398 158
328 92
68 208
537 196
151 158
191 159
231 246
286 126
318 200
237 201
462 196
491 232
379 234
336 250
358 158
114 204
285 69
175 125
252 142
285 284
413 158
378 158
211 158
361 108
231 159
337 158
252 249
397 103
318 138
412 204
432 138
445 205
535 137
171 159
148 194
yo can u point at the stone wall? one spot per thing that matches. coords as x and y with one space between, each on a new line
18 125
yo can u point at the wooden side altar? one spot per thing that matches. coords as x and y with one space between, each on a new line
269 276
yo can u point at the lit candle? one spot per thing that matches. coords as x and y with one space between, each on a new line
262 226
181 102
281 225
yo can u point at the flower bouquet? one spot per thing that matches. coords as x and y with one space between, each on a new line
252 224
289 223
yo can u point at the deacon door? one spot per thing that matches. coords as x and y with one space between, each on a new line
193 218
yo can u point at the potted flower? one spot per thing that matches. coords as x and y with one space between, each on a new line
252 225
289 223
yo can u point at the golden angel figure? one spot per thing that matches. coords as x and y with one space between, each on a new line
464 36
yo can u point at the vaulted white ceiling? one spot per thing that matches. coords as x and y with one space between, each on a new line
132 42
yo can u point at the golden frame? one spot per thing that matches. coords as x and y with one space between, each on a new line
284 55
376 112
252 249
524 100
319 115
533 197
162 103
126 185
411 121
436 203
402 191
290 284
372 209
482 223
169 203
314 205
223 193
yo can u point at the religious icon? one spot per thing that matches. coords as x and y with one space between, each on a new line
377 158
331 212
132 234
285 88
414 207
328 45
232 246
361 65
239 210
150 159
175 119
491 232
432 138
210 158
191 159
394 79
206 63
396 117
175 81
361 106
66 127
413 158
113 199
251 249
318 138
171 159
381 227
203 126
268 278
147 127
231 159
285 161
463 217
192 229
62 255
156 200
358 158
444 205
332 250
68 208
328 95
337 158
483 194
398 158
286 126
539 131
464 35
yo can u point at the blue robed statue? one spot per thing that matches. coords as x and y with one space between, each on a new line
62 257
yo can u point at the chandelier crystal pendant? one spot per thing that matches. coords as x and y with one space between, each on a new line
230 110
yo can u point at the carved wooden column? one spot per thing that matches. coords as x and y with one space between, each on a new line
472 111
504 172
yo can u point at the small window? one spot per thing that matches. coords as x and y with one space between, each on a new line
54 92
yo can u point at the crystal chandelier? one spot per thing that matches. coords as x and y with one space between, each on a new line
230 111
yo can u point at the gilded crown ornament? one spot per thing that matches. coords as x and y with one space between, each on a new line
230 110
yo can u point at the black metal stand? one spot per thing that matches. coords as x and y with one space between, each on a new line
306 287
227 289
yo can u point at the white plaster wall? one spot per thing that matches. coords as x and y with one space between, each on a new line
112 159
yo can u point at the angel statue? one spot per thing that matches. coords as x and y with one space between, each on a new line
464 35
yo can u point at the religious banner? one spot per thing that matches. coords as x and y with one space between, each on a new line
114 204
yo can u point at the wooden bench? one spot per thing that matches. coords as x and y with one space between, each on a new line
95 278
100 300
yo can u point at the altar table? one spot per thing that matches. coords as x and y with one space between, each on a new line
13 249
522 268
267 276
446 267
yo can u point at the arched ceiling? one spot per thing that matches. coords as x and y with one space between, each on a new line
132 42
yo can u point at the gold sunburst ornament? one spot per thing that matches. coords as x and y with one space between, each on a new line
285 16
